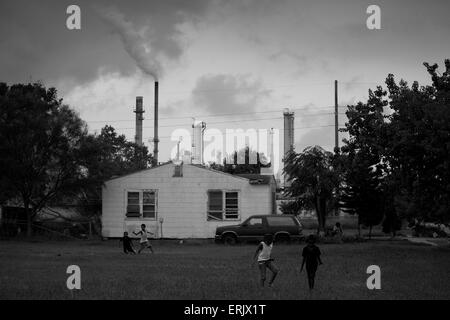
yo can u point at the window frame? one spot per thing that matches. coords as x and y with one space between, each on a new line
224 205
141 204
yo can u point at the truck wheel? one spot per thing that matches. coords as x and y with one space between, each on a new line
229 239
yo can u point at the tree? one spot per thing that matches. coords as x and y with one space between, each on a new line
41 146
362 192
240 162
112 155
312 180
397 155
419 148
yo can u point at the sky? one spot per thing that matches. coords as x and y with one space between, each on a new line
233 64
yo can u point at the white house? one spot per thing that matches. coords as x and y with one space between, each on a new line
183 201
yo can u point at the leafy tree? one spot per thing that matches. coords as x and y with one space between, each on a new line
403 136
41 146
312 181
112 155
239 162
362 192
419 148
290 207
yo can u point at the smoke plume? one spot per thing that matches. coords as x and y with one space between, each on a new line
133 42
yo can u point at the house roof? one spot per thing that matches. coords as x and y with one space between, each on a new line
253 178
134 172
257 178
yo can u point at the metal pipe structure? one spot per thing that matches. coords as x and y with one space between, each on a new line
155 138
139 117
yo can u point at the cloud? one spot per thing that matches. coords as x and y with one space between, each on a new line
41 48
323 137
227 93
133 41
301 61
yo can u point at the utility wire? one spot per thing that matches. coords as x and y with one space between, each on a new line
202 116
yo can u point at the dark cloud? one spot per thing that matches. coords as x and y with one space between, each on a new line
36 44
228 93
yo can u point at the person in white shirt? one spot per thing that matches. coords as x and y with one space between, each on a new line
264 258
144 239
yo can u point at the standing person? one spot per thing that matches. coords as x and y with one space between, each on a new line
127 244
265 261
144 239
311 257
337 229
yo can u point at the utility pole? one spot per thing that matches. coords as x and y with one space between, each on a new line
155 138
336 132
336 121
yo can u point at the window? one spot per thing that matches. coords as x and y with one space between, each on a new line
142 204
149 204
255 222
215 205
223 205
133 207
281 221
231 205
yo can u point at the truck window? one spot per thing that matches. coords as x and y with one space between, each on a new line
255 222
280 221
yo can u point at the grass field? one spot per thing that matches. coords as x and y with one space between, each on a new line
37 270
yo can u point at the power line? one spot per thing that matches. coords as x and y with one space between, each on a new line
220 122
233 133
216 115
265 88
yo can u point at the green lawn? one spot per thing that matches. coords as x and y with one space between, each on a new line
37 270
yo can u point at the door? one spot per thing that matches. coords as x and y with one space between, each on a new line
252 229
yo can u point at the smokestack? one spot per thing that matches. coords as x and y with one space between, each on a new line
198 129
139 117
288 133
155 139
270 170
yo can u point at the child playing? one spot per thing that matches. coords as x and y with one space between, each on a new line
263 253
127 244
144 240
337 229
311 256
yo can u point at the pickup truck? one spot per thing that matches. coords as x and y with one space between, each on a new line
283 227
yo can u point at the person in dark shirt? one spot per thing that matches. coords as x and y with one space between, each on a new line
127 244
311 257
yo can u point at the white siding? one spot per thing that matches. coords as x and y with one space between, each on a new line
182 201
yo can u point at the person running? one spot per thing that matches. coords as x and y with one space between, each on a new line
311 257
144 239
265 261
127 244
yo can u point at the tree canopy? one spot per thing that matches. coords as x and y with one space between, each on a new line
312 180
41 146
397 157
47 155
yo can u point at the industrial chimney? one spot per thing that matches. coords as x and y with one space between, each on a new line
155 138
288 134
139 117
198 129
